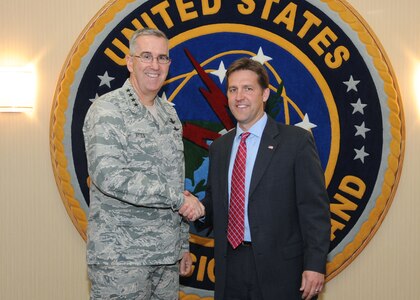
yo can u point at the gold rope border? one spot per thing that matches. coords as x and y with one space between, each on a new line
397 144
58 118
184 296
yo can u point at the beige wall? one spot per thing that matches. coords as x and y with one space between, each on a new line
41 252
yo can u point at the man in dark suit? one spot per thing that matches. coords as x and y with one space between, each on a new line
277 247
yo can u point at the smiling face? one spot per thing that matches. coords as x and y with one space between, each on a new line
148 78
246 97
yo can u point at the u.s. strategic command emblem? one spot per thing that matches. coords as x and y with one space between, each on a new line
328 74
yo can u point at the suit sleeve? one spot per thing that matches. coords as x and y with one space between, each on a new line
313 206
207 221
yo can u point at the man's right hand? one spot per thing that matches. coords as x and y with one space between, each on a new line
191 209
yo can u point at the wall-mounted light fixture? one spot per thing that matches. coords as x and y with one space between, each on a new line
17 88
416 83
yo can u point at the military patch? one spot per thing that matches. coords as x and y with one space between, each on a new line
328 74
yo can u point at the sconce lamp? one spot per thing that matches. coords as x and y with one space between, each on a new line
17 88
416 84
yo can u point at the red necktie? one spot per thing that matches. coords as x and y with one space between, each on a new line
235 233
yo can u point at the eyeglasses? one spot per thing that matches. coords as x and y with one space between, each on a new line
147 57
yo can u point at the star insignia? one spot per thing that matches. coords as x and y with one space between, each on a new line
351 84
306 124
165 98
221 72
105 79
358 107
260 57
361 130
93 99
361 154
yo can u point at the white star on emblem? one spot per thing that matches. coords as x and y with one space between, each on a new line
164 98
306 124
351 84
105 79
260 57
221 72
361 130
223 131
93 99
358 107
361 154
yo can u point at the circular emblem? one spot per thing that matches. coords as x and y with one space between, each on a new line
328 74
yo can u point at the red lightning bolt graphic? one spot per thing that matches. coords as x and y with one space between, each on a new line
217 101
214 96
199 135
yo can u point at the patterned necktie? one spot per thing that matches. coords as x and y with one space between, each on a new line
235 232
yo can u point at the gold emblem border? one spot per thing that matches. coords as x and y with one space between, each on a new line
60 104
397 142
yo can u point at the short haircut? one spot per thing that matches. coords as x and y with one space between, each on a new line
246 63
145 31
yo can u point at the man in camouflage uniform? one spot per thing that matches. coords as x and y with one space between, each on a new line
138 220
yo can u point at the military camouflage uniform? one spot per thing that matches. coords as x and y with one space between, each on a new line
136 167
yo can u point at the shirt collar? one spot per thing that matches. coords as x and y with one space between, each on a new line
256 129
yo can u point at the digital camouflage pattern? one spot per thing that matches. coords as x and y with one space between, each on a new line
136 169
116 282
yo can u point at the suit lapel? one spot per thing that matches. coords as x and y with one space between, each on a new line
266 151
224 163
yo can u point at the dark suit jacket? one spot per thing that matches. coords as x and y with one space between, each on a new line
288 209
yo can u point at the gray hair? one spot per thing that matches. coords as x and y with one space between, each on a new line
145 31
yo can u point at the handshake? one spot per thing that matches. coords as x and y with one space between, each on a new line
191 209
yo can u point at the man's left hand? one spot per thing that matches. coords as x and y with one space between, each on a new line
312 284
185 265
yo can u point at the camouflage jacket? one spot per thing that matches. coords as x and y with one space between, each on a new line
136 169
